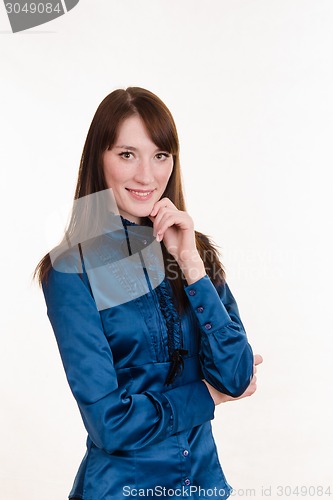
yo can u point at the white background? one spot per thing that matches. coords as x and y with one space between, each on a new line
249 83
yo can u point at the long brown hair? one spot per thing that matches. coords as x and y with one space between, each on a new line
111 112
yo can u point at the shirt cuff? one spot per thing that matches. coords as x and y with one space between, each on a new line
207 305
191 405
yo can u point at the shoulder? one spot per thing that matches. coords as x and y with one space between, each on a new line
65 260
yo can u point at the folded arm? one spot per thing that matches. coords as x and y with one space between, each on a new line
225 354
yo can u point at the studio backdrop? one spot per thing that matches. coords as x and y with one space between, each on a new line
249 83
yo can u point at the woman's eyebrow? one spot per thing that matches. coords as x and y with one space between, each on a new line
126 147
132 148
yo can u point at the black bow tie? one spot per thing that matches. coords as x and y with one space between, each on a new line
177 365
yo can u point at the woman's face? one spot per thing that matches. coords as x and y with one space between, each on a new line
136 165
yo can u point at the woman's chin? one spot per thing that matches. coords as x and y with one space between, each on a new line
142 211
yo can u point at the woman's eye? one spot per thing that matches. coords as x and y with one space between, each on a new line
161 156
126 154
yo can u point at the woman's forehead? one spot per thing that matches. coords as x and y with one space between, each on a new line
133 134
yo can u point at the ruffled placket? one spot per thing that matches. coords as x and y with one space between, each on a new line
175 335
173 324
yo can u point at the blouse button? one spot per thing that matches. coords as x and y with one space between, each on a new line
200 309
192 291
187 481
208 326
185 453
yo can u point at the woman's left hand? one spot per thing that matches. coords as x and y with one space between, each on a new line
176 228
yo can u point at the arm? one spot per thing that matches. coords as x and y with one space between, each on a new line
226 356
114 419
219 397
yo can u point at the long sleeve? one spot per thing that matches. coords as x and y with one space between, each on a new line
225 354
113 418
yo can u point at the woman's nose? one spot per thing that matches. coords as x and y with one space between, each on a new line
144 173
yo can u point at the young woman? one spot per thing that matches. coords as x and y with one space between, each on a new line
148 330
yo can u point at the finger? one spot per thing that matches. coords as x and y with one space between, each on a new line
160 214
258 359
252 389
157 220
168 221
163 202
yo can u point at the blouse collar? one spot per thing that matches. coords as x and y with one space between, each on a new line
145 222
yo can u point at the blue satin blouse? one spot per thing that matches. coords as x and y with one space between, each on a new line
136 369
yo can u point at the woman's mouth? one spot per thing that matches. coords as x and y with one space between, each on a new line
140 194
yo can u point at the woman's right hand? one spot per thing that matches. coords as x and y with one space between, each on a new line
220 397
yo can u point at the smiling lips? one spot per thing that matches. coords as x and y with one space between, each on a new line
140 194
